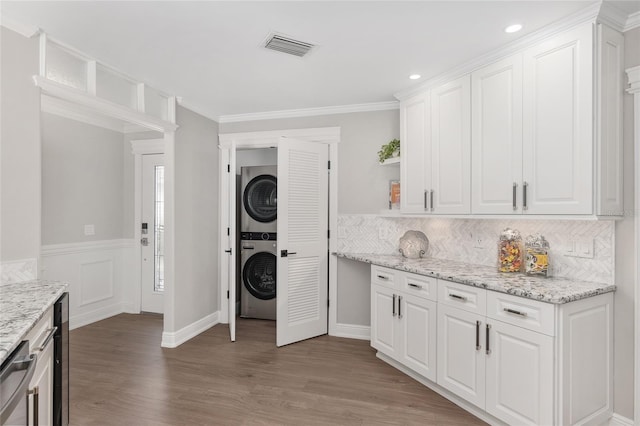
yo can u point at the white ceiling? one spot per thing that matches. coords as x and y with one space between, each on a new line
210 53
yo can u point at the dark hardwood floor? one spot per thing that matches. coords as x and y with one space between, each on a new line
121 376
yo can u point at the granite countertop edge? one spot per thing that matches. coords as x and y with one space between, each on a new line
22 305
553 290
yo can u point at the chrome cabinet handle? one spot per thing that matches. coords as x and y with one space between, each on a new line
478 347
431 197
415 285
383 277
487 339
45 342
514 195
513 311
425 199
394 305
457 296
36 402
524 195
399 306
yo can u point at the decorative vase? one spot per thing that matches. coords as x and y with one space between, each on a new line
414 244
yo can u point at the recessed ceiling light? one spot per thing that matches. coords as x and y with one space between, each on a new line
513 28
415 76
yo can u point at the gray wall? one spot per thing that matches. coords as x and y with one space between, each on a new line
19 148
82 181
625 261
362 186
196 218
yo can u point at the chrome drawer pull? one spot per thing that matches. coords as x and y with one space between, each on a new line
415 285
456 296
513 311
382 277
478 347
399 306
52 332
393 309
488 351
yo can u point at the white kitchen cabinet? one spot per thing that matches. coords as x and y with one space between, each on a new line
41 385
451 147
461 361
415 158
403 322
519 375
496 137
558 124
518 360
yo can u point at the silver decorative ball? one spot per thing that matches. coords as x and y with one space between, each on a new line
414 244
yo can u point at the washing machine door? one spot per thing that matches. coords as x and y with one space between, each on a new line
259 275
260 198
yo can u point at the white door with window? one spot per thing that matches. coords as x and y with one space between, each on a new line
152 227
303 244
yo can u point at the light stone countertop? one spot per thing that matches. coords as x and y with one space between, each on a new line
21 307
551 290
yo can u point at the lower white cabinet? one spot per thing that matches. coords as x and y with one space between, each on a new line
41 385
403 327
518 360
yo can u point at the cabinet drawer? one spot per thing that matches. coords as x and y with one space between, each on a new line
419 285
40 331
384 276
469 298
526 313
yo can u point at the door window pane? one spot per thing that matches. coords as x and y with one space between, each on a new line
158 231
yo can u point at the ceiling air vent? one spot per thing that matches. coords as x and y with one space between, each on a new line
288 45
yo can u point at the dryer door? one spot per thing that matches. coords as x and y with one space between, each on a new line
260 198
259 275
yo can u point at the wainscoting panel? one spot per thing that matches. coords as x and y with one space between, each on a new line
99 274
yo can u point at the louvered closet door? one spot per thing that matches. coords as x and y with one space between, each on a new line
302 283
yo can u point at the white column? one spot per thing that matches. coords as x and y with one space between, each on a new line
634 89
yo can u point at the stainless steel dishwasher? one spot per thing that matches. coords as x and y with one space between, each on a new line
15 374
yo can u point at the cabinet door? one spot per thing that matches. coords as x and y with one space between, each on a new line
415 154
461 355
496 137
558 124
384 321
451 147
43 380
418 341
520 375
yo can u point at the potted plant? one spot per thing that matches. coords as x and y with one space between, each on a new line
389 150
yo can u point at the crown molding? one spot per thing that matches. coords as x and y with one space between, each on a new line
612 16
23 29
633 21
588 14
310 112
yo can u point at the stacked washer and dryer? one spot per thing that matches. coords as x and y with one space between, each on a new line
258 226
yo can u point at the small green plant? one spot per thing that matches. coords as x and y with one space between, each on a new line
387 151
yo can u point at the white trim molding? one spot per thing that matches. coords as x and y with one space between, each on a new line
618 420
23 29
310 112
175 339
351 331
634 88
270 138
147 146
633 22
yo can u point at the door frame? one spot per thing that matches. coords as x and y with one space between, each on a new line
267 139
138 149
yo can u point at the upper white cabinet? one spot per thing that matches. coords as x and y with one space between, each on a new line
435 165
451 147
558 125
539 133
415 135
496 135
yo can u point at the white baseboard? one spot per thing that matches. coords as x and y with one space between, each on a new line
99 314
618 420
175 339
352 331
129 308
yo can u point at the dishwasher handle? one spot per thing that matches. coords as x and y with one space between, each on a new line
27 363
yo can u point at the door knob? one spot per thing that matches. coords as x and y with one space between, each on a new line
144 241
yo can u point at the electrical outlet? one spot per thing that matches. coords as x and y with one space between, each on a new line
477 243
583 248
89 230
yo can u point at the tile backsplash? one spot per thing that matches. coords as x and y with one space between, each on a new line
475 240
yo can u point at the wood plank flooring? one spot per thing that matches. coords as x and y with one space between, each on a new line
121 376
